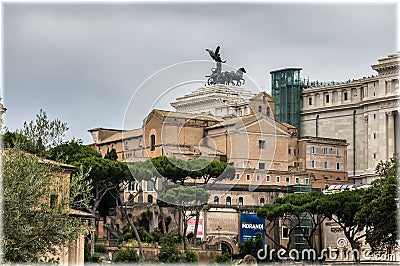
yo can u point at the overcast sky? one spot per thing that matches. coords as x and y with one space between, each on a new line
82 63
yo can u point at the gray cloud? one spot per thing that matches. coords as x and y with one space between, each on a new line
81 63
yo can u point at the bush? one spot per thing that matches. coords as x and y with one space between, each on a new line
169 252
86 252
126 255
125 237
100 248
191 256
222 258
95 258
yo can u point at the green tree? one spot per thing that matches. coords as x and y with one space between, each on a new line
186 200
104 175
252 246
342 208
111 154
191 256
36 209
294 209
169 252
71 152
378 201
126 255
43 134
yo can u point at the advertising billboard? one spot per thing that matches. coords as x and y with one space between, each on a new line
191 225
250 225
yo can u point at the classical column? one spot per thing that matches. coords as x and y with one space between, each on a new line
390 134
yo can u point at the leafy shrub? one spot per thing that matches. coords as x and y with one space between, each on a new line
191 256
100 248
95 258
169 252
222 258
86 252
126 255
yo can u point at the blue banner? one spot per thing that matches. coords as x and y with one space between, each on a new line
250 225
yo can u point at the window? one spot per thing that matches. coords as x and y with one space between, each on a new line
259 109
325 165
312 150
278 179
288 151
374 135
131 185
237 176
337 152
53 201
216 200
345 96
374 155
268 111
374 116
287 179
152 142
309 101
327 98
150 185
248 177
126 146
261 144
326 151
228 201
240 201
285 232
261 165
149 198
312 164
268 178
297 180
262 201
307 181
258 178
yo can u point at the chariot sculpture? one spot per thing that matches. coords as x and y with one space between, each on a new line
234 78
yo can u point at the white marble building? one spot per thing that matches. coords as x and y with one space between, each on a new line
364 112
218 100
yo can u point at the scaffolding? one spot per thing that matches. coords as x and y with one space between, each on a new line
286 86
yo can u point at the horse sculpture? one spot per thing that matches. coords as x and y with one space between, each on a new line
236 76
226 77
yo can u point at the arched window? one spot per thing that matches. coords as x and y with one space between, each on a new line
149 198
262 201
152 142
216 200
240 201
228 200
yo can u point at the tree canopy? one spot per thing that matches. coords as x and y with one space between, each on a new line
36 208
379 207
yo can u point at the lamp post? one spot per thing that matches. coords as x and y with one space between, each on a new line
219 228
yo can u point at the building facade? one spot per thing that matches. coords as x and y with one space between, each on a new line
270 160
364 112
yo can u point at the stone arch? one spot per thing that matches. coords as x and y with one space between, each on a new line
226 240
